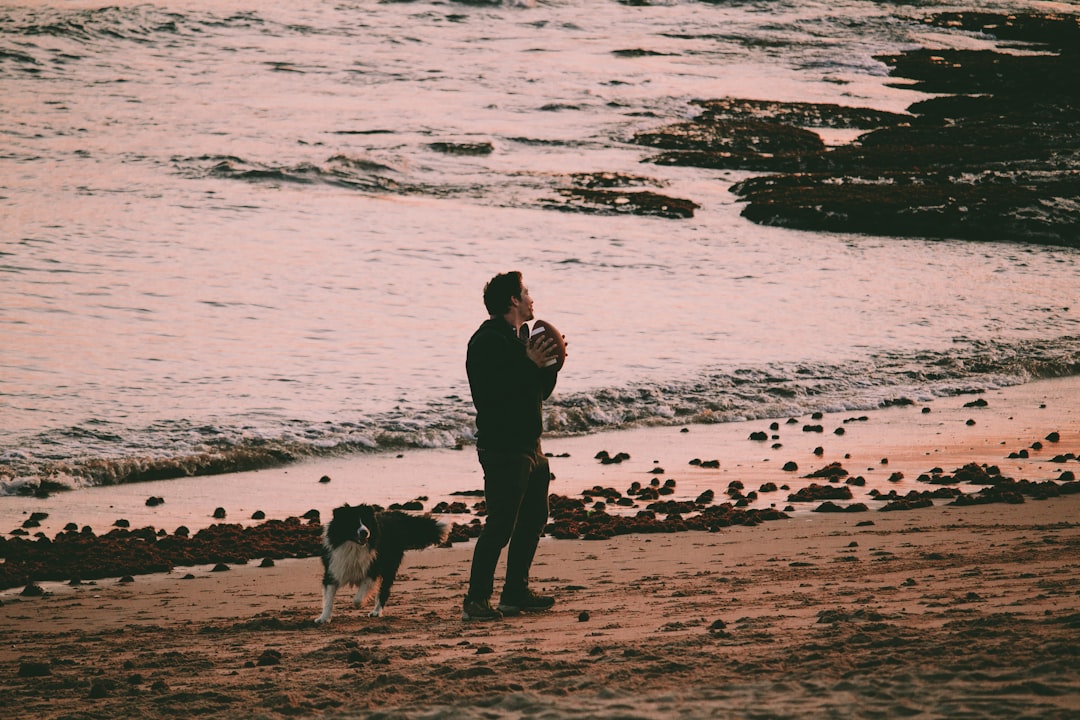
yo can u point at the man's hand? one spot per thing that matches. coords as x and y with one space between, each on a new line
542 350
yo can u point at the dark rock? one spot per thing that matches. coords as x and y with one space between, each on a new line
269 657
617 202
32 590
469 149
34 669
99 689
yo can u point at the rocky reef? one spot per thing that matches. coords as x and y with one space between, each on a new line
994 156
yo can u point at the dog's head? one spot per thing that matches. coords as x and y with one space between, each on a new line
358 524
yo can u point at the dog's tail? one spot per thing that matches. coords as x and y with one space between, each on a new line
414 532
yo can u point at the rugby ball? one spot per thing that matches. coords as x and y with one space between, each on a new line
541 329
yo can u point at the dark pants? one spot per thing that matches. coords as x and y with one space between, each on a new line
516 496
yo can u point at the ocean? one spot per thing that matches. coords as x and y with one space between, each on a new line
239 234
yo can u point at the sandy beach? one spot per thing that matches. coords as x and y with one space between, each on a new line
958 611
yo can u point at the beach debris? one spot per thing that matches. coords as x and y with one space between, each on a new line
154 501
324 479
219 513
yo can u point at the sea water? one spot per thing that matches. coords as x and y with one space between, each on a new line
231 232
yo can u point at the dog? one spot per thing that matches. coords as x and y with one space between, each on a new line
363 546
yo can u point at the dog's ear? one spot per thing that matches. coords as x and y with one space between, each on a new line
339 511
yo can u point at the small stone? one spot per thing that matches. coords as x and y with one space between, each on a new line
34 669
269 657
32 590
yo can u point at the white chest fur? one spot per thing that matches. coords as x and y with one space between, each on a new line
349 563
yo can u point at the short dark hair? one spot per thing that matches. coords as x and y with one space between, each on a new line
500 289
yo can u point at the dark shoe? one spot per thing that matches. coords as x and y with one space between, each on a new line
525 601
479 610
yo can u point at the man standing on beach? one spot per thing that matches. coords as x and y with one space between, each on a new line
509 383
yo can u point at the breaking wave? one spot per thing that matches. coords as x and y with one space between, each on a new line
99 453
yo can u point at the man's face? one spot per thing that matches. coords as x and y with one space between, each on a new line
524 305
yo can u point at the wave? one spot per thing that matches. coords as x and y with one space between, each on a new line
100 453
339 171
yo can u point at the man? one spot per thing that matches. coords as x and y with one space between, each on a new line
509 384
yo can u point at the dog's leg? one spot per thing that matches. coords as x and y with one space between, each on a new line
390 565
363 590
328 593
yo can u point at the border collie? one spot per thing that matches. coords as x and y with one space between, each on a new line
363 546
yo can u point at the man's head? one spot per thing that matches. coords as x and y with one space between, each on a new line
506 294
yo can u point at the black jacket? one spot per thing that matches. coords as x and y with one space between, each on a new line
508 389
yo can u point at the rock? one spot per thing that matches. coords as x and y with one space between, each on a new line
269 657
34 669
468 149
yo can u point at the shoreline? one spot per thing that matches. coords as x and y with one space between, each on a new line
1011 445
879 446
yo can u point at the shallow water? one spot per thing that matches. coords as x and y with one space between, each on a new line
225 228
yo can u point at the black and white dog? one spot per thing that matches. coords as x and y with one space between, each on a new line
363 546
